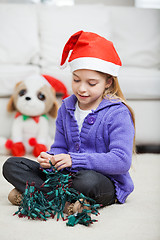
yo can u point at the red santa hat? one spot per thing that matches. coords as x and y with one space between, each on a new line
91 51
59 87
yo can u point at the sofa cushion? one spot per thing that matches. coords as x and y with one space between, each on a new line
57 24
136 34
147 121
19 41
140 83
11 74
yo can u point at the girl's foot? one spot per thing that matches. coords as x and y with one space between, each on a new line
15 197
77 207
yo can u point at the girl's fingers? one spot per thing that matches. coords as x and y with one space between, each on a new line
41 160
45 155
58 164
44 159
59 161
61 167
44 162
45 165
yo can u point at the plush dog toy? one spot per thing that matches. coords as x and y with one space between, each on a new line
33 100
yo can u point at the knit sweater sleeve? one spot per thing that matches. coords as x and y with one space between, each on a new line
59 146
118 159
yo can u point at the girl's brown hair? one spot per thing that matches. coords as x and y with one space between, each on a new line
115 92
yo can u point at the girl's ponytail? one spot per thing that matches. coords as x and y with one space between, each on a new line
115 92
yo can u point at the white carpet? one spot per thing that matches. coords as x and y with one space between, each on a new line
137 219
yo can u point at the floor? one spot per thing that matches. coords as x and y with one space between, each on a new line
137 219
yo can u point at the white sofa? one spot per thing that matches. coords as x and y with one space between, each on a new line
32 38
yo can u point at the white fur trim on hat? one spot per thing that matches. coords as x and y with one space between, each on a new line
94 64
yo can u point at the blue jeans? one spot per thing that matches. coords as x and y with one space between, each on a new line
19 170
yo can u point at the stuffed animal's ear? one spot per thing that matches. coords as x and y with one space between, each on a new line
54 110
10 105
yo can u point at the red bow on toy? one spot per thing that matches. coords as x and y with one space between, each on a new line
25 117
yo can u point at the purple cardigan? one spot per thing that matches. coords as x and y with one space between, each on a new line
104 143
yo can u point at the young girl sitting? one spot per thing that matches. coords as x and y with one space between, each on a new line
94 129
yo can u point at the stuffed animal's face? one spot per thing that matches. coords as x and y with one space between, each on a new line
33 98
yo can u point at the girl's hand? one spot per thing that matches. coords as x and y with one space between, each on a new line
61 161
44 159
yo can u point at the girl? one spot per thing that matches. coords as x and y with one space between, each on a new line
94 129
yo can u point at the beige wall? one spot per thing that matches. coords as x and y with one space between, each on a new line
107 2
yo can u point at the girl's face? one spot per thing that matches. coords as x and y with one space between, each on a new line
89 86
